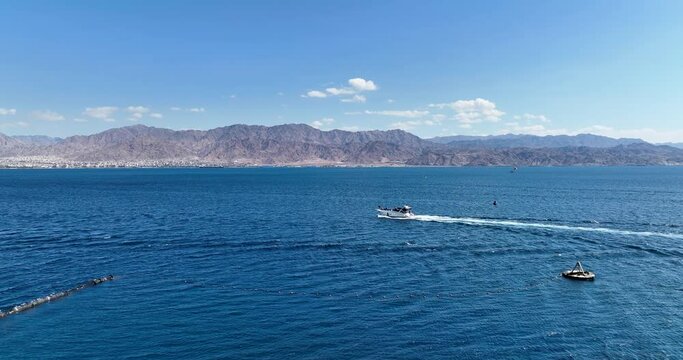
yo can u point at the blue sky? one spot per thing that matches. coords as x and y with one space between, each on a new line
430 67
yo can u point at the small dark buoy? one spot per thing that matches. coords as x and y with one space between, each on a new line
495 203
578 273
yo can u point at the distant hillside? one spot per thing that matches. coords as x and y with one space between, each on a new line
8 141
240 144
632 154
676 145
9 146
532 141
298 144
37 139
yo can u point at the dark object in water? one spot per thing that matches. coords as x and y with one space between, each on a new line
54 296
578 273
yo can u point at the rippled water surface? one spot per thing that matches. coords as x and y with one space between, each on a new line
294 263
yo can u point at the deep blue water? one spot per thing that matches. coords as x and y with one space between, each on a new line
293 263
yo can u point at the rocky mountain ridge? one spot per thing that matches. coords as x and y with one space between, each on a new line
299 144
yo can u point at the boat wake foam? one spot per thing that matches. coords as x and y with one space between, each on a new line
520 224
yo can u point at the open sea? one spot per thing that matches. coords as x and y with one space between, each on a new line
276 263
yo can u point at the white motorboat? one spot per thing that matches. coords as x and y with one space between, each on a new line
402 212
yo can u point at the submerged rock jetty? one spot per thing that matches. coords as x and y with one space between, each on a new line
54 296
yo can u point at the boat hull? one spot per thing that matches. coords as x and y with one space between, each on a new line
394 214
586 276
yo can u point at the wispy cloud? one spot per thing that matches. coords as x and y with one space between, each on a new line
355 99
16 124
535 129
5 112
340 91
137 112
101 112
318 124
192 109
412 124
472 111
348 94
315 94
46 115
398 113
532 117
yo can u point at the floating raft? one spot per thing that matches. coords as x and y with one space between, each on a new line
54 296
578 273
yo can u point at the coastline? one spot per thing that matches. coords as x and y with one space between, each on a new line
317 166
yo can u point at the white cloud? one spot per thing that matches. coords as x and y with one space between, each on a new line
361 84
532 117
137 109
322 122
340 91
357 85
473 111
4 111
80 120
399 113
193 109
315 94
110 120
536 129
137 112
390 101
47 115
18 124
101 112
355 99
412 124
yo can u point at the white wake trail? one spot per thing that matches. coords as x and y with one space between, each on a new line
520 224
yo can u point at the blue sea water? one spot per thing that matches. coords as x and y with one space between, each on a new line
293 263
